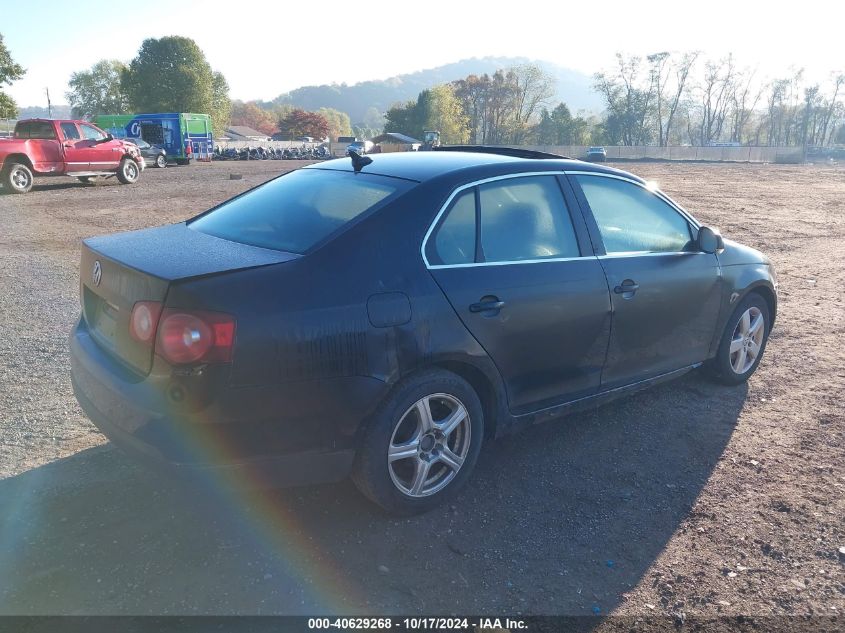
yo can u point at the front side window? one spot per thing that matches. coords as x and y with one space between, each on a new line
91 133
296 211
632 219
70 132
525 219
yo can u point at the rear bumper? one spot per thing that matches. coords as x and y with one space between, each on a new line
296 469
135 415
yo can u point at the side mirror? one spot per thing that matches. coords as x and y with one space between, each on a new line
109 137
709 240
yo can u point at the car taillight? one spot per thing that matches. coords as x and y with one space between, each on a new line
143 321
189 336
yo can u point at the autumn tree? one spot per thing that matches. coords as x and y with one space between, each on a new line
339 123
9 72
532 89
827 115
98 90
250 114
629 101
668 78
302 123
744 98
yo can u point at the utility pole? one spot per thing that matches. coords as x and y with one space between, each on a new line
49 107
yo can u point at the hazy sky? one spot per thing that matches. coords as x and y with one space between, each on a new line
265 48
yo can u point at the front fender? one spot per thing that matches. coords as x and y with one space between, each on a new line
738 281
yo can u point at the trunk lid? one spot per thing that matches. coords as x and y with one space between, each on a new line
116 271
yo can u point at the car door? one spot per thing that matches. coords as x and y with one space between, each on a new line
102 154
665 292
74 147
518 269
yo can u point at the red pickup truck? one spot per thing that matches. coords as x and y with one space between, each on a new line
46 147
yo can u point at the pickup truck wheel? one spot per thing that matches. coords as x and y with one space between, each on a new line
16 178
161 161
128 171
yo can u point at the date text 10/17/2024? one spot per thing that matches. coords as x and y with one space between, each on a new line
416 624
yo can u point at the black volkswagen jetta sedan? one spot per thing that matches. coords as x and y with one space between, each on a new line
381 317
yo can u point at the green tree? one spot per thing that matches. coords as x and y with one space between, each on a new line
559 127
9 72
443 112
435 109
405 118
339 123
98 90
171 74
221 105
373 120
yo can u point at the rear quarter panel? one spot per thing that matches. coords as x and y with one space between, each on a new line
344 323
44 155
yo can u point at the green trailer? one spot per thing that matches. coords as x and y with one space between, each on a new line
183 135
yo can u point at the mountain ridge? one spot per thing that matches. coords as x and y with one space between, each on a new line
571 86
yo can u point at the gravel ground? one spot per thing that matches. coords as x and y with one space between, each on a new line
691 499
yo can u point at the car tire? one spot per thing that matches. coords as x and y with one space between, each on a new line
742 344
161 161
430 461
128 171
16 178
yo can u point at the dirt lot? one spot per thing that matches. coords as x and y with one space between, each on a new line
691 498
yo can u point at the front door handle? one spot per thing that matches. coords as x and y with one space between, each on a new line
626 287
487 306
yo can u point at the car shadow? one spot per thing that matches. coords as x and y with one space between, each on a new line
560 519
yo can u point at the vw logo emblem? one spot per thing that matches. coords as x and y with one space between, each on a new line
97 273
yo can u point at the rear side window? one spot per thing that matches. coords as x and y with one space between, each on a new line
296 211
35 129
454 242
525 218
632 219
520 219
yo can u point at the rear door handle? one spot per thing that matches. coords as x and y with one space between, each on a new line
486 306
627 286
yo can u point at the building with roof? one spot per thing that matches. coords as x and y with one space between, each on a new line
244 133
396 142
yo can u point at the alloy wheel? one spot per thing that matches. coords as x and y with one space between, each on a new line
429 445
747 340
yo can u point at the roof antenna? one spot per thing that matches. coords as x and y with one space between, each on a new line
358 161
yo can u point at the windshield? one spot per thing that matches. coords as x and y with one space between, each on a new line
296 211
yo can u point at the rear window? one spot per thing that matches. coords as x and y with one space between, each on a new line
300 209
35 129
